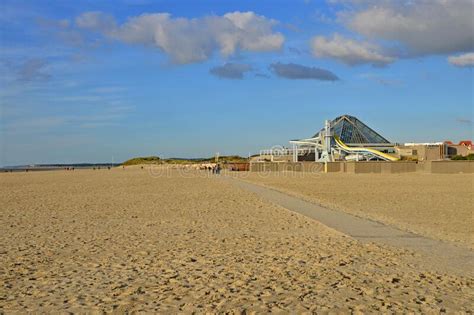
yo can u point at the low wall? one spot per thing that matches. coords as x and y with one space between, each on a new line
381 167
424 167
363 167
377 167
287 166
399 167
334 167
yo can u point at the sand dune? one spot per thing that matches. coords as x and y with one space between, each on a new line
125 240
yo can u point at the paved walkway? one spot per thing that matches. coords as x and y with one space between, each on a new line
442 256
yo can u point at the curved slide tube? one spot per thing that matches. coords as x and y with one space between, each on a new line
379 154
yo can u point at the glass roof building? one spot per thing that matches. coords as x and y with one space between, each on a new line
344 136
353 131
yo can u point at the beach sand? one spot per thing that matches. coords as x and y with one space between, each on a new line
439 206
131 240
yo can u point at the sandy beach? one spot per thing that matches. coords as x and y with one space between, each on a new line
131 240
434 205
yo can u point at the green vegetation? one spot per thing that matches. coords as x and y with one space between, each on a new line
143 160
470 157
157 160
226 159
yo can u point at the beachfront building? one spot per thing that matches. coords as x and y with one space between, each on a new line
430 151
463 148
434 151
347 138
344 138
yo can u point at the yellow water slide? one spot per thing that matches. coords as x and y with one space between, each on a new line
377 153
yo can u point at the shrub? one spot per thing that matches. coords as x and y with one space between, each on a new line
470 157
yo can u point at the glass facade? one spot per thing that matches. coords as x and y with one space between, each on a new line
351 130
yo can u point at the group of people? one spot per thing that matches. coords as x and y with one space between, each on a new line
216 169
108 167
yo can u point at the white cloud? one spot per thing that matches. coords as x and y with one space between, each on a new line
190 40
465 60
348 51
422 26
96 20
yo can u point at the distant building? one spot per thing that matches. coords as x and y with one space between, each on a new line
463 148
434 151
422 151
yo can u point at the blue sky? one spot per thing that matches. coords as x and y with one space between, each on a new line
92 81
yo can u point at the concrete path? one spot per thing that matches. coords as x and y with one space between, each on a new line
442 256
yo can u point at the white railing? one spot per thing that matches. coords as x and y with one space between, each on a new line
286 151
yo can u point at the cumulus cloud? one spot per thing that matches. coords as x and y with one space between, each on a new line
348 51
422 27
190 40
295 71
464 60
231 70
32 69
